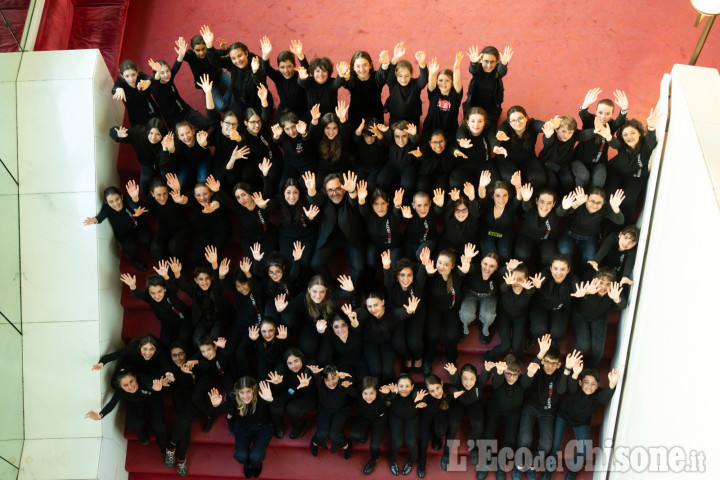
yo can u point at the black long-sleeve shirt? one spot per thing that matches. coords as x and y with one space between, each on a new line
473 394
543 390
438 295
255 223
553 295
208 306
292 96
137 136
368 156
404 100
582 222
171 104
122 222
633 163
130 358
596 150
397 297
577 408
593 306
170 216
421 229
139 104
375 411
365 101
384 232
555 152
506 398
486 90
170 309
457 233
142 394
539 228
520 149
478 286
479 154
252 419
404 407
442 112
498 227
202 66
243 81
323 93
220 366
609 255
375 330
335 399
513 304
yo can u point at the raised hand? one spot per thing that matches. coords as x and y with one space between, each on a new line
301 127
157 385
175 266
614 292
162 269
296 47
544 343
265 393
155 66
341 110
412 305
315 369
470 250
280 303
262 91
458 59
577 369
212 184
207 35
532 369
276 130
653 118
458 153
215 397
309 179
420 57
224 268
384 57
209 207
465 263
302 74
485 179
433 66
119 94
469 190
385 259
172 181
304 378
133 190
220 342
202 137
508 278
257 254
245 265
352 315
343 69
502 136
621 100
254 332
406 212
282 332
450 368
314 111
349 181
591 97
143 85
93 415
362 191
581 289
298 249
122 132
398 51
439 197
616 200
265 47
465 143
474 53
506 55
89 221
526 191
500 367
420 395
131 280
398 198
500 151
537 280
572 358
265 167
211 255
255 65
311 212
568 200
275 378
97 366
321 326
346 283
177 196
613 377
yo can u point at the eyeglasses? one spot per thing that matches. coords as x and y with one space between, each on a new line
508 374
551 363
254 122
177 355
335 190
437 142
461 210
230 124
596 202
517 120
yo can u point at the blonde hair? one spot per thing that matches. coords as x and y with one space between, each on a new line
242 383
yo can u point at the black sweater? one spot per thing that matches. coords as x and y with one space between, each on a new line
139 104
147 153
633 163
553 295
609 255
512 304
596 150
292 96
325 94
539 228
170 309
142 394
505 399
480 151
335 399
556 152
577 408
384 231
365 99
122 222
543 390
521 149
438 295
404 101
486 89
404 407
171 104
469 396
243 82
170 216
582 222
497 227
421 230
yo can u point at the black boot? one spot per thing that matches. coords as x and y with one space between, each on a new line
256 469
370 466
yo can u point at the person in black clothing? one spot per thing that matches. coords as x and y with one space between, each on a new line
209 308
131 87
552 304
248 415
576 411
443 300
433 420
172 106
127 227
630 168
320 88
285 78
383 335
559 137
371 415
421 230
270 342
619 255
173 229
141 395
496 231
404 101
190 158
504 404
475 143
480 294
277 279
146 142
142 355
404 421
586 223
332 136
383 229
518 135
402 158
365 86
589 166
539 229
545 383
161 295
258 137
200 65
214 367
299 156
344 344
516 291
590 313
335 391
445 94
461 219
466 390
182 383
404 290
292 395
486 88
340 227
369 151
436 165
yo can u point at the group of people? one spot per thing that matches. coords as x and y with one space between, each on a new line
441 222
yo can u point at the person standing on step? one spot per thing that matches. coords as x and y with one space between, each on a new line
371 415
480 293
433 420
404 421
335 393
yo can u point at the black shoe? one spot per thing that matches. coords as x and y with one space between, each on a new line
481 475
257 470
279 431
437 443
474 456
426 368
297 434
445 459
394 468
531 474
370 466
208 425
139 265
247 470
570 475
516 474
484 339
143 439
421 470
529 342
500 474
348 451
313 449
546 475
408 467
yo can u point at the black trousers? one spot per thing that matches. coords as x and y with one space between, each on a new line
296 407
135 419
376 427
404 431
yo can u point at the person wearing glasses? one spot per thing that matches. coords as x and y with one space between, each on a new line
518 135
229 145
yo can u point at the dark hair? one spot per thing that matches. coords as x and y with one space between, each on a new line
156 184
275 259
286 56
492 255
401 264
452 255
369 382
271 321
637 126
404 64
433 379
468 367
330 149
239 45
321 62
327 306
230 113
294 352
462 200
597 191
475 111
331 176
251 112
361 54
178 344
501 185
526 138
184 123
561 257
375 294
405 376
202 269
589 372
163 63
127 65
206 340
522 268
606 272
607 102
447 72
547 191
632 231
288 117
490 50
119 375
155 280
144 340
370 121
552 353
197 40
513 364
111 191
155 122
399 125
379 193
285 216
438 131
240 277
245 187
328 370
